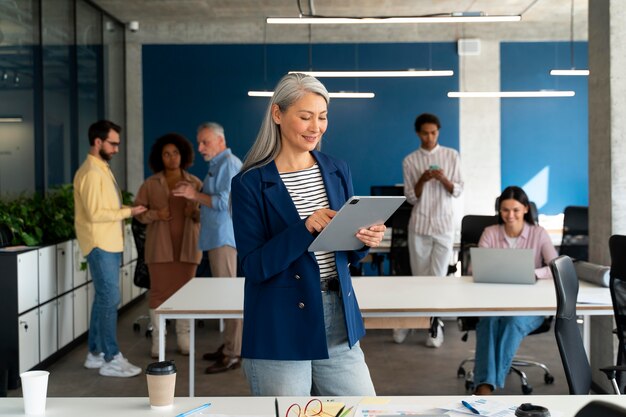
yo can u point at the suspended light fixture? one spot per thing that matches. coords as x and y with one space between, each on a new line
572 71
511 94
579 72
378 74
11 119
339 94
460 17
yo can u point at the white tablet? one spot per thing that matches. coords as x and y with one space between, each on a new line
356 213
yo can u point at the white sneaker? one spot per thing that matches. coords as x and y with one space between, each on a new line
436 341
119 367
399 335
94 361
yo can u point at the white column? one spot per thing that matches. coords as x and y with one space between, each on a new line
607 154
480 129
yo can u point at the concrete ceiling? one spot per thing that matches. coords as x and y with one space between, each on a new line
243 21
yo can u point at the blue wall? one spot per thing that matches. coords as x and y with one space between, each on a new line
186 85
544 141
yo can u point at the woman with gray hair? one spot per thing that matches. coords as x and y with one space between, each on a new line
302 322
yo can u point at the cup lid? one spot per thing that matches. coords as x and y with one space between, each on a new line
161 368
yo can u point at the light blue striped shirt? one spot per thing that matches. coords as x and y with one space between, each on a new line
216 223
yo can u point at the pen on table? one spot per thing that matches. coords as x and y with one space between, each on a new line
193 411
339 412
276 406
345 413
469 407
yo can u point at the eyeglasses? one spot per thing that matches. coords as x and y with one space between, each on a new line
114 144
311 409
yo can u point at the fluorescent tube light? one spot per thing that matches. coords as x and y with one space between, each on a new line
340 94
374 20
507 94
11 119
581 72
405 73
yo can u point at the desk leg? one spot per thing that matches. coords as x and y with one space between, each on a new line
162 337
192 355
587 335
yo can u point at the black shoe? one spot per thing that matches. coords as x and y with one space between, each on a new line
214 356
227 363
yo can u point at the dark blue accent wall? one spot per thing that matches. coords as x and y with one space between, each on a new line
540 133
184 85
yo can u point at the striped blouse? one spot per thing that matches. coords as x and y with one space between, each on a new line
433 211
306 188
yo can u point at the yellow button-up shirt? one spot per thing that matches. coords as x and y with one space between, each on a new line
98 210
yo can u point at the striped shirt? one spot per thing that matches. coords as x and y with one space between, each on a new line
306 188
433 211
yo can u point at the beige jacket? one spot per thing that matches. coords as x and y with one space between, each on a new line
154 194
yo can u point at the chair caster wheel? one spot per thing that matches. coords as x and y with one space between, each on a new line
460 373
136 327
148 333
548 379
527 389
469 386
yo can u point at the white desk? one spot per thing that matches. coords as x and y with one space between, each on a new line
562 405
386 297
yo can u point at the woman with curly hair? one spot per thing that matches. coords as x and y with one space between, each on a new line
171 250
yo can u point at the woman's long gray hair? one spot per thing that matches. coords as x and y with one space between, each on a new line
289 89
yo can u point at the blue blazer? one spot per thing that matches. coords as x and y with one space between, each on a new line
283 312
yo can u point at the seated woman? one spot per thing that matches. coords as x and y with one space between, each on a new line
497 338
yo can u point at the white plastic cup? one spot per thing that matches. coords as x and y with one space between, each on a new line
34 391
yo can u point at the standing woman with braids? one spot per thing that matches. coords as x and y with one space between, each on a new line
302 322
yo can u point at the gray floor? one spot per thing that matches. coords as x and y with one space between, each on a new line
406 369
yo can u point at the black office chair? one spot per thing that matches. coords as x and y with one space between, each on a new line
601 409
399 260
568 338
617 284
575 241
472 227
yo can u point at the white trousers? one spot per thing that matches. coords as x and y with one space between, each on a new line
430 255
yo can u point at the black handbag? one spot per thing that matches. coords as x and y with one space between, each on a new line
142 275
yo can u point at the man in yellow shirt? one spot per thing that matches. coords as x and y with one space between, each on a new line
99 216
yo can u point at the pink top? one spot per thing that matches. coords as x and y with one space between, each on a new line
532 237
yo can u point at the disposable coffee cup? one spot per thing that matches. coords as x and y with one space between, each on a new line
34 391
161 378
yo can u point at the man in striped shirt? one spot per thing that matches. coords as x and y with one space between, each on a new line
432 178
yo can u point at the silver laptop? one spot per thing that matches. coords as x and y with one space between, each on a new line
503 266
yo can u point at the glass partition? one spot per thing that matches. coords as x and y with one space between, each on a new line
57 38
19 23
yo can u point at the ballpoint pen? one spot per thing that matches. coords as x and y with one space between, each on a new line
193 411
346 412
469 407
339 412
276 406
